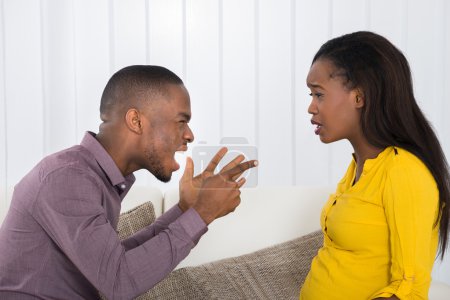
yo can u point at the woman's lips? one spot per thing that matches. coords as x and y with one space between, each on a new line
317 130
318 127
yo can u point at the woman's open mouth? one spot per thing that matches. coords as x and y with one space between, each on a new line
318 127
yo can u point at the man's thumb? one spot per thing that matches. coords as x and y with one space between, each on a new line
189 169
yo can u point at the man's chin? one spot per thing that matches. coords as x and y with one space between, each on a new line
163 177
161 173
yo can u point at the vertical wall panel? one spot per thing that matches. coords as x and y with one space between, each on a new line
445 111
423 63
238 112
388 22
441 270
439 58
348 16
312 165
23 87
165 48
445 136
166 34
3 141
92 60
238 82
202 74
275 88
345 20
128 42
58 75
129 33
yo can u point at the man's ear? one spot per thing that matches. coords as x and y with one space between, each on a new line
133 120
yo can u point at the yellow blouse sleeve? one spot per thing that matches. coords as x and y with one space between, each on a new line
410 200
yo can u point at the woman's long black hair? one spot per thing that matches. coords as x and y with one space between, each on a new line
391 116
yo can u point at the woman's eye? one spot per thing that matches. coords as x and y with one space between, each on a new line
318 95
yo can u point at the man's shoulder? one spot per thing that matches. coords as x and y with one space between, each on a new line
75 164
76 157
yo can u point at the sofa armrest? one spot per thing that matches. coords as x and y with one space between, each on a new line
276 272
439 291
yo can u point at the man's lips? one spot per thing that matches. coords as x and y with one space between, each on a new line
183 148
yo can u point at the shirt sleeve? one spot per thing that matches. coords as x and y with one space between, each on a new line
69 209
410 200
160 224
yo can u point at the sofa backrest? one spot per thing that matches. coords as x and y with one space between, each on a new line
141 194
265 217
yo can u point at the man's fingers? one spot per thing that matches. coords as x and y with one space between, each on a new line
241 182
188 170
216 160
239 169
236 161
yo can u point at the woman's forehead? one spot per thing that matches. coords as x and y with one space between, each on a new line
322 70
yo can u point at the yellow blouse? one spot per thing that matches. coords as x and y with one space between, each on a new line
379 238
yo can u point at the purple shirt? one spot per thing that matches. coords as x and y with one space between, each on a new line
58 240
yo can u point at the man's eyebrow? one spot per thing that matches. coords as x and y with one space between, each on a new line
185 115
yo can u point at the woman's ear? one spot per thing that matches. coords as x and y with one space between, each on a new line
133 120
359 98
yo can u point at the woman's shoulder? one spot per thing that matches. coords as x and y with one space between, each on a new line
402 162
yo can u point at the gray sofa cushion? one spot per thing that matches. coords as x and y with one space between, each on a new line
276 272
135 219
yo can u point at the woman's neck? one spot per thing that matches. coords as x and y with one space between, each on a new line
364 151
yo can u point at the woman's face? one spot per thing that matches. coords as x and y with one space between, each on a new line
335 109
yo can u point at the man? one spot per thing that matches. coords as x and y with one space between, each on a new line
58 240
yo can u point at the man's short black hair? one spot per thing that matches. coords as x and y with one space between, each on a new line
132 82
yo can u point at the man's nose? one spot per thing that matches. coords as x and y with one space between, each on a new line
189 135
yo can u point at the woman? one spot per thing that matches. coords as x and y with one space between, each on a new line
382 226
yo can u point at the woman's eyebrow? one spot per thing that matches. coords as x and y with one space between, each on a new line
314 85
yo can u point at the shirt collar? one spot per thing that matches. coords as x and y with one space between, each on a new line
369 163
106 162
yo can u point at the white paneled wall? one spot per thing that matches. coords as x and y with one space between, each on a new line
243 61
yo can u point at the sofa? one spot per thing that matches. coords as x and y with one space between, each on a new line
261 251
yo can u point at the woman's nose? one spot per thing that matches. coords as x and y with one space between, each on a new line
312 108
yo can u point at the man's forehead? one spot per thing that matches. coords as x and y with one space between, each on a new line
175 103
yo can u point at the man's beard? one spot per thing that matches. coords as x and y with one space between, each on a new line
156 168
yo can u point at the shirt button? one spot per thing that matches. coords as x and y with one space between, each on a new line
123 186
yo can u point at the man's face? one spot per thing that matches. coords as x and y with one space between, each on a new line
167 132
